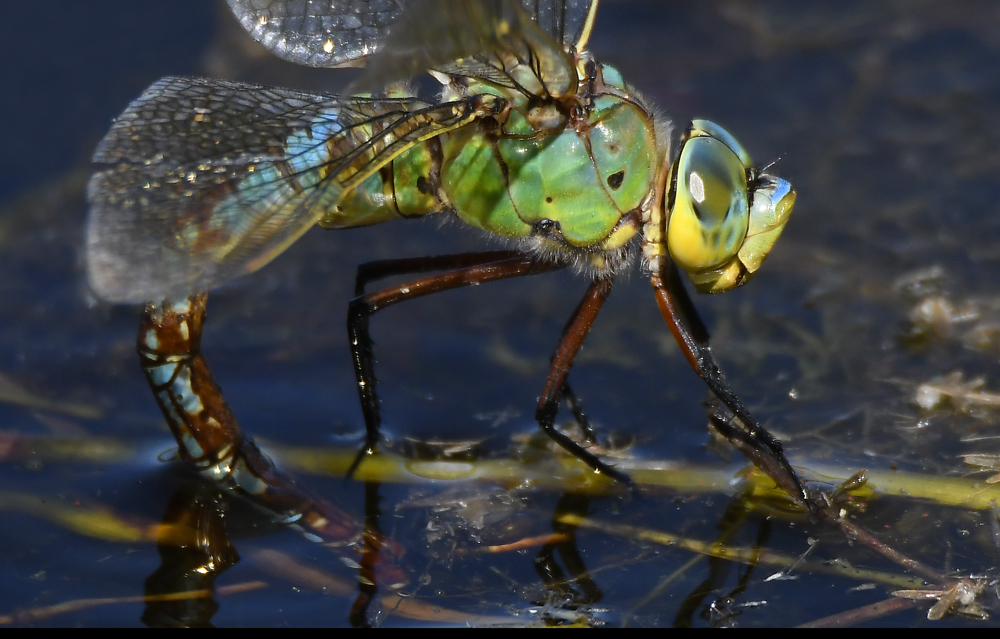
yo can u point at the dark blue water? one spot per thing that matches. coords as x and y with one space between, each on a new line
76 65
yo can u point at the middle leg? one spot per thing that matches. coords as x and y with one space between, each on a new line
471 269
570 341
467 269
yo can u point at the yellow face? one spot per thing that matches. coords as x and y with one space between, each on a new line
724 217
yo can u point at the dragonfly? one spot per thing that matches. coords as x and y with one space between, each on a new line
530 139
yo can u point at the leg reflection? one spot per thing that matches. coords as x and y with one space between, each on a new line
367 581
586 590
721 610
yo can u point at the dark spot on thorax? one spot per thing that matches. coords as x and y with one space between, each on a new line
615 180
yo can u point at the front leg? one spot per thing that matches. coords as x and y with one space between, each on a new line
690 333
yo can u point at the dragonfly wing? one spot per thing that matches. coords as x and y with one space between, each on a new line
478 38
318 33
567 21
336 33
205 180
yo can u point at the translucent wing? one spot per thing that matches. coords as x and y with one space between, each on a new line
336 33
318 33
206 180
567 21
494 39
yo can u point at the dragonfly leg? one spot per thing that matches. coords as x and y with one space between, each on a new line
466 269
209 437
682 318
381 269
573 334
572 402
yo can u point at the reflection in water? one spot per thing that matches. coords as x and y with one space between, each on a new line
367 584
722 609
195 549
561 588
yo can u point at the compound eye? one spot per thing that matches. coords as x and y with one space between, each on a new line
710 212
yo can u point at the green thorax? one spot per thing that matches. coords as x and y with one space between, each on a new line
567 170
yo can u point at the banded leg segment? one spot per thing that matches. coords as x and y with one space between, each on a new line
690 333
209 437
468 269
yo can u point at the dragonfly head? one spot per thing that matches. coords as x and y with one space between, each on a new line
723 215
